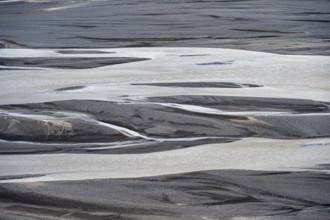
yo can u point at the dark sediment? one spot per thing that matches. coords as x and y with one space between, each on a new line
212 194
6 68
200 85
69 88
83 52
58 129
287 27
293 27
88 121
216 63
10 177
194 55
67 62
234 103
10 44
134 146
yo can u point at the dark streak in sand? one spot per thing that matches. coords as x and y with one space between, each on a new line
84 52
15 177
314 20
194 55
266 31
69 88
146 39
200 85
1 69
67 62
216 63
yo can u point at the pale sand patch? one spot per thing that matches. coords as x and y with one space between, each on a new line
247 154
281 76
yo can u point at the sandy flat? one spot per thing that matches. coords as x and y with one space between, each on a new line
166 110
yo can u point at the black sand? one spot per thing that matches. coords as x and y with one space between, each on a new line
199 195
67 63
85 122
288 27
200 85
